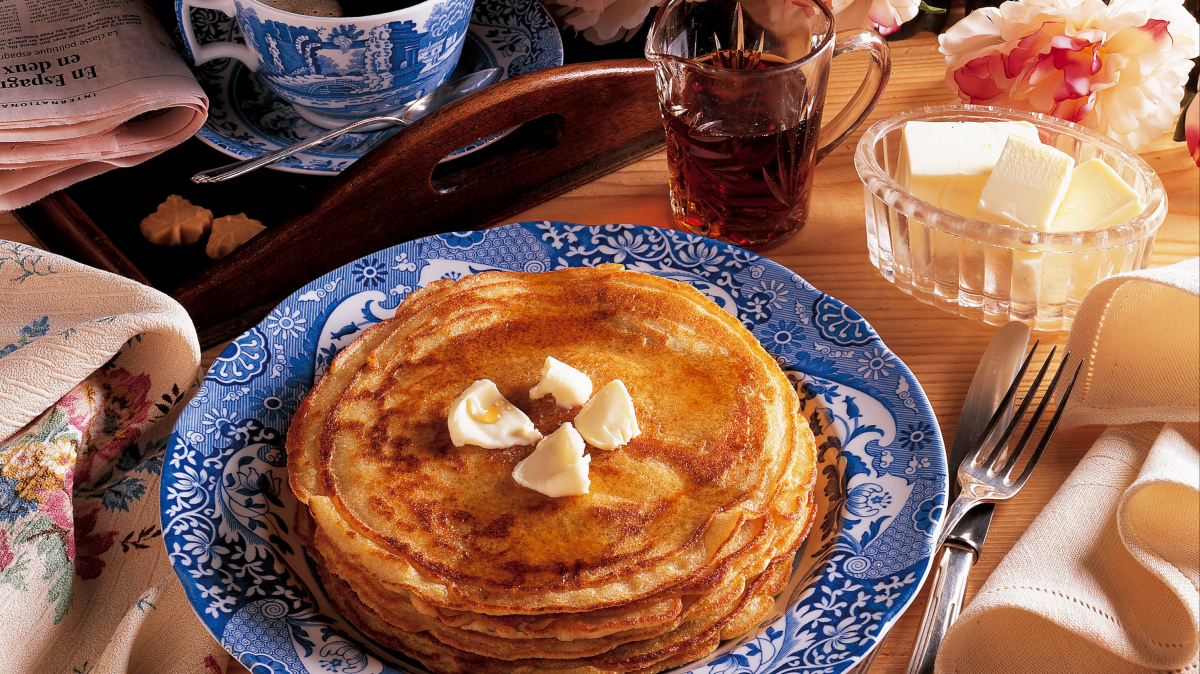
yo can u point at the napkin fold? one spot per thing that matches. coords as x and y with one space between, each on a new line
1107 578
92 366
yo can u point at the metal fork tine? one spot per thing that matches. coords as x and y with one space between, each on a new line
1015 454
979 483
1037 453
1008 398
1020 413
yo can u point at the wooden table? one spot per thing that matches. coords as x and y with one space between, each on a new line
941 349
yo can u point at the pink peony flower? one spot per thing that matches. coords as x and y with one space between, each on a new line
83 403
885 16
603 21
1118 69
1191 129
59 508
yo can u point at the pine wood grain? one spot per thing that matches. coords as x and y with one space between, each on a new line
941 349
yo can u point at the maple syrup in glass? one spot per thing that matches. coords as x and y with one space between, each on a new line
746 180
741 85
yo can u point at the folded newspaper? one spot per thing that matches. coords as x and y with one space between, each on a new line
86 86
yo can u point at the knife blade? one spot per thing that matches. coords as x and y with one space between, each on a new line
993 375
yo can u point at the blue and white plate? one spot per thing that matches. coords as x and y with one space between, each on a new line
246 119
881 487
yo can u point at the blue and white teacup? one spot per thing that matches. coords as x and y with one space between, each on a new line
336 70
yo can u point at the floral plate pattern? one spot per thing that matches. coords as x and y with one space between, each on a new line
246 119
227 511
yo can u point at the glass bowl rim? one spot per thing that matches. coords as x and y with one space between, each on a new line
827 39
897 197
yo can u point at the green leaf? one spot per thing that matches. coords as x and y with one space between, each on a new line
926 7
119 494
13 574
62 592
56 565
46 537
1180 135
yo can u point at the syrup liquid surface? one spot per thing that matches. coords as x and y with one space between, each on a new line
747 181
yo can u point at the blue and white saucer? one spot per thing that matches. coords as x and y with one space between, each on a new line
246 119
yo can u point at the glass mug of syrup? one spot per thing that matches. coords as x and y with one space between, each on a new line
742 87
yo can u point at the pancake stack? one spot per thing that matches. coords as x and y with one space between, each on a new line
685 537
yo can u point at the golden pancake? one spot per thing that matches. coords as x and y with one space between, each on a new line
687 531
647 613
596 623
658 510
401 616
687 643
634 626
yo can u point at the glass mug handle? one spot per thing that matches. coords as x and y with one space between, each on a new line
203 53
863 101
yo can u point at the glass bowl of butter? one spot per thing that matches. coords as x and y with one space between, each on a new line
999 215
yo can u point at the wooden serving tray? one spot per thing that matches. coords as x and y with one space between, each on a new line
576 122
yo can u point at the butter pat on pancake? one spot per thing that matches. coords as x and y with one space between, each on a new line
482 417
558 466
608 420
570 387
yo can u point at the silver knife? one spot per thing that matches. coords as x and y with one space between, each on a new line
993 376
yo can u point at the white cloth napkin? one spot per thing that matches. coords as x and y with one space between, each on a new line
91 368
1105 581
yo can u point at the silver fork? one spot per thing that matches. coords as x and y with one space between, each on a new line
977 475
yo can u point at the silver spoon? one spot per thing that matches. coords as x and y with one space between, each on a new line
443 95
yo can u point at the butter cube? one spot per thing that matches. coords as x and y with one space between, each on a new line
1026 187
948 163
558 466
1096 198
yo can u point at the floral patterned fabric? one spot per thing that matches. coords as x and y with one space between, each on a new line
92 366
